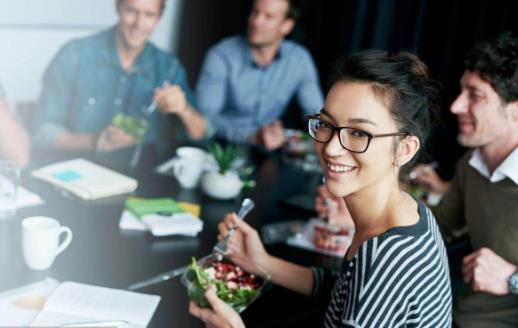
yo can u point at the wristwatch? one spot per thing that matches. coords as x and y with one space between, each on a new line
513 283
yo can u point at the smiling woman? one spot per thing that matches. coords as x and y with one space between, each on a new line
395 273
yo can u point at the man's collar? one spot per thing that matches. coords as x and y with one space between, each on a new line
508 168
249 55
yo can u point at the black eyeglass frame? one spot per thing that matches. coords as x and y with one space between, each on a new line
338 129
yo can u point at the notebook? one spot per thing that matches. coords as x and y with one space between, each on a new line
74 303
85 179
162 217
19 306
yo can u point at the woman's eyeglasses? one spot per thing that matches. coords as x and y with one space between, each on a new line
352 139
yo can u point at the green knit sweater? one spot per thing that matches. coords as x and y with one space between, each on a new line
490 211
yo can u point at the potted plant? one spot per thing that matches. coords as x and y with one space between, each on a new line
227 179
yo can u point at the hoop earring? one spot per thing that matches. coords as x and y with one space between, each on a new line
397 165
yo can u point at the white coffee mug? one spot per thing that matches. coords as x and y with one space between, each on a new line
189 165
40 241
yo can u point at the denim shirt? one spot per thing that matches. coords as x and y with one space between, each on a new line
85 86
239 96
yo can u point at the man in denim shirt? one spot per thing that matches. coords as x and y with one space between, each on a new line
115 71
246 83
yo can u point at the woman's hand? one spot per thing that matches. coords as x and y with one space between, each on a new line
245 248
220 315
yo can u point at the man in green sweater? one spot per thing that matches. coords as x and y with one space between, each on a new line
483 195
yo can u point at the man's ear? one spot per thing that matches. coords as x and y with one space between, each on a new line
406 150
287 26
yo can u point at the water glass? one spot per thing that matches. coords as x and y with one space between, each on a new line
9 176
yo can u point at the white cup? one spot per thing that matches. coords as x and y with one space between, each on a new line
189 165
40 241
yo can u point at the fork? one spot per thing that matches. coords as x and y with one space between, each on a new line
220 250
152 107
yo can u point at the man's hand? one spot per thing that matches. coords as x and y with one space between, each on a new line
426 176
171 99
113 138
487 272
272 135
220 315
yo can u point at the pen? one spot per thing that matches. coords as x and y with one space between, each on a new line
158 279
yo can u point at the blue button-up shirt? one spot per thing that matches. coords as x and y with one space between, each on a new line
85 86
239 96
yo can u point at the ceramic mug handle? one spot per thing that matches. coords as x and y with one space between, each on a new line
67 240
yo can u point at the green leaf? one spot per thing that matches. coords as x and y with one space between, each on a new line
224 156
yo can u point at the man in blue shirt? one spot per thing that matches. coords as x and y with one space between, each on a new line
246 83
115 71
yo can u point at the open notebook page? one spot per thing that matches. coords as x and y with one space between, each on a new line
19 307
95 303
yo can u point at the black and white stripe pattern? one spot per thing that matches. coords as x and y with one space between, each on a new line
398 279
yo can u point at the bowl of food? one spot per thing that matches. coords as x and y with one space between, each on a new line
233 285
331 237
136 127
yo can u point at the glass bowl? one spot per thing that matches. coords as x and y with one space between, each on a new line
136 127
239 298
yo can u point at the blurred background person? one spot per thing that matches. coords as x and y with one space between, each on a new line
14 140
247 81
484 191
118 70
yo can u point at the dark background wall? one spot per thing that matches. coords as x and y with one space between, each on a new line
439 31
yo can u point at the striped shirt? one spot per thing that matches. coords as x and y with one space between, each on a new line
397 279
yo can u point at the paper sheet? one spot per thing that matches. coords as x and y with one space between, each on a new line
26 198
19 307
92 303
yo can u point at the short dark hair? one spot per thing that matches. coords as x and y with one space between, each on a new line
162 5
293 10
401 81
496 61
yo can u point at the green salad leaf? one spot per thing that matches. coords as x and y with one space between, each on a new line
238 297
137 127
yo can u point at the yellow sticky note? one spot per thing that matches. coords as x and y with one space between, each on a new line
194 209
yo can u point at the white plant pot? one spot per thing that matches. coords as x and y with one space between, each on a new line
221 186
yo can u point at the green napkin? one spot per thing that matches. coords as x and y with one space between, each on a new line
140 207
